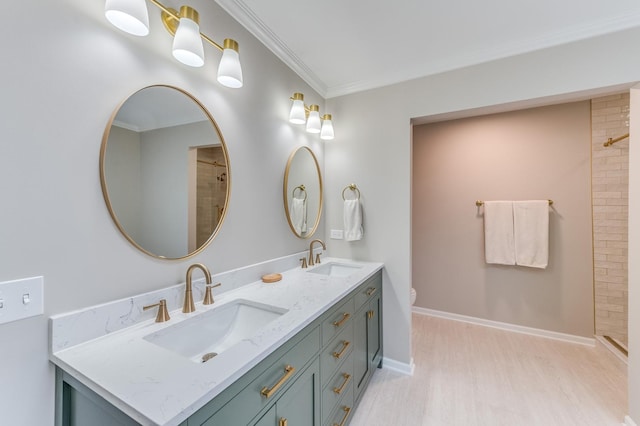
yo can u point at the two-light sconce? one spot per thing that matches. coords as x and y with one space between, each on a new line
132 16
301 114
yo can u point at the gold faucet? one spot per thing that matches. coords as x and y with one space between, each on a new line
188 305
324 247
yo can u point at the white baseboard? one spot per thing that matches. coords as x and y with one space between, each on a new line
400 367
629 422
508 327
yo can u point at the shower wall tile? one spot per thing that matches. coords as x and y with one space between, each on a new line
610 194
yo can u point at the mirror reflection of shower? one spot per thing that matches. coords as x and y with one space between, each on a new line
211 190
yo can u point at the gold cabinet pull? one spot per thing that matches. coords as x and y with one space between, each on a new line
347 379
371 291
371 314
345 317
288 372
347 411
283 422
345 345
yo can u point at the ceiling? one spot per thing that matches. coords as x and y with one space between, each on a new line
346 46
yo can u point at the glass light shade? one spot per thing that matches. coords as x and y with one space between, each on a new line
297 114
187 44
327 128
313 122
229 70
130 16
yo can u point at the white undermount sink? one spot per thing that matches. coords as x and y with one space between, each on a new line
210 333
335 269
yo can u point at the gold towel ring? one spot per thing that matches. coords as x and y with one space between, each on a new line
352 187
302 189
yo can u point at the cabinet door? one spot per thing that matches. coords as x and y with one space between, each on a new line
374 328
300 404
360 353
269 418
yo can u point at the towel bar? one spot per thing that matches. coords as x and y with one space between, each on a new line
302 190
480 203
352 187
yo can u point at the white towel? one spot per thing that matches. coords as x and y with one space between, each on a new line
499 243
352 220
298 215
531 229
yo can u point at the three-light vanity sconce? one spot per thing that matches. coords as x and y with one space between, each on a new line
301 114
132 16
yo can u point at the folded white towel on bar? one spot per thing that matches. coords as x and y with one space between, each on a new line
499 242
298 215
353 230
531 229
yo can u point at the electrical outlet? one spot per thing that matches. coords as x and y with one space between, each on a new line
337 234
21 299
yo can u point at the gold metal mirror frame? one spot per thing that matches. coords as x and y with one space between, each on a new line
285 192
105 191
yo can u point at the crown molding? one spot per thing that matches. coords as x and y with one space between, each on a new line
245 16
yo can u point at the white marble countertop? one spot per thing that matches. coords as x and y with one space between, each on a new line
155 386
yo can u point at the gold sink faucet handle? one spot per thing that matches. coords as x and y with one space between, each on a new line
304 262
163 313
208 294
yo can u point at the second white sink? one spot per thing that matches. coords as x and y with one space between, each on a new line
335 269
210 333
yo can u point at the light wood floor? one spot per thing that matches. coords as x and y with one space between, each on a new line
468 375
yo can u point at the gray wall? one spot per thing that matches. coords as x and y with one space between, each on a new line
539 153
67 75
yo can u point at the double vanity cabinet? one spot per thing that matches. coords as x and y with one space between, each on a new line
315 378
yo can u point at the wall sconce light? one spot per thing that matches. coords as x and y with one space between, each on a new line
301 114
132 16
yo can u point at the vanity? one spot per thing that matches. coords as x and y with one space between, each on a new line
316 341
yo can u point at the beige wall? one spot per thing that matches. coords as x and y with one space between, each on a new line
540 153
610 187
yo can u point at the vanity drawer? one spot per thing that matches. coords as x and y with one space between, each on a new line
337 320
269 385
372 286
336 352
342 414
337 387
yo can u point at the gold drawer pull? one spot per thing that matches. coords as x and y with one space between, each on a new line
345 317
371 291
347 411
347 379
371 314
288 372
345 345
283 422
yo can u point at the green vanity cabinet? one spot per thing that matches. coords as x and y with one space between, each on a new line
316 378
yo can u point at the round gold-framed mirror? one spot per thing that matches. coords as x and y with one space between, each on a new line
302 192
165 173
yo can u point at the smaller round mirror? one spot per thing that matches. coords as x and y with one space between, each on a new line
302 192
165 172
